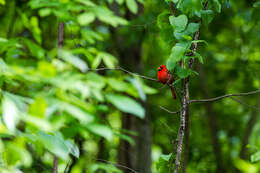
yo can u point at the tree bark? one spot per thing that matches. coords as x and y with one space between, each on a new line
185 106
60 44
55 164
186 142
137 157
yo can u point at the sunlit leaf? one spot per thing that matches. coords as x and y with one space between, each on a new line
126 104
101 130
132 6
255 157
74 60
54 144
86 18
179 23
10 113
73 148
83 116
136 83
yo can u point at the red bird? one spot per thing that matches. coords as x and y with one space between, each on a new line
165 77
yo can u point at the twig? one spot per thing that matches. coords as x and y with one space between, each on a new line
245 104
225 96
67 166
55 164
126 71
118 165
171 112
60 35
191 101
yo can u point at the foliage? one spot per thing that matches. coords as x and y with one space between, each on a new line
55 101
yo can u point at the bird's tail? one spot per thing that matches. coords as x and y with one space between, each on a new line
173 92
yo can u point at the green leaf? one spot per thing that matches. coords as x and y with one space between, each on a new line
109 60
163 19
126 138
199 57
163 164
190 30
126 104
132 6
86 18
183 73
193 27
10 113
118 85
73 148
38 107
55 144
44 12
179 23
148 90
177 53
166 157
245 166
83 116
37 123
15 154
107 16
35 50
2 2
207 16
46 69
101 130
96 62
74 60
120 2
96 81
255 157
256 4
170 64
187 37
137 84
217 5
200 41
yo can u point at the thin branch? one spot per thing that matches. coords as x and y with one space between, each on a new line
60 35
172 8
170 112
126 71
191 101
225 96
55 164
245 104
118 165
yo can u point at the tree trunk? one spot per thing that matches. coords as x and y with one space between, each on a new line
186 142
212 121
138 156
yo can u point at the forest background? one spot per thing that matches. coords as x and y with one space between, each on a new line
79 90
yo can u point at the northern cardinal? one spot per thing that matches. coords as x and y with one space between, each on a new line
165 77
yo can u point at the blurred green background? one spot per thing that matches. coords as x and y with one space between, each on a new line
54 102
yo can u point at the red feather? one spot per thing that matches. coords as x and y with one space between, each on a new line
165 77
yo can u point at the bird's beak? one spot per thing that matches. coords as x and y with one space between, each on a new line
159 68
